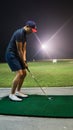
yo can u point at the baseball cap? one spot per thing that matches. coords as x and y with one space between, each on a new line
31 24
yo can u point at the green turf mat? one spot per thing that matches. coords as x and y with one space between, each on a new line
39 106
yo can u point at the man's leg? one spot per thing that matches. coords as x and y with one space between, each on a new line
18 81
23 75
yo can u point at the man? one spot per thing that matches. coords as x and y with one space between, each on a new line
16 58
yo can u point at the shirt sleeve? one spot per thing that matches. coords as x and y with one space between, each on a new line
19 37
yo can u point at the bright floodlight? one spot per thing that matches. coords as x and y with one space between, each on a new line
44 47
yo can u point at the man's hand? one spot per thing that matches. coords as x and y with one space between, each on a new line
26 65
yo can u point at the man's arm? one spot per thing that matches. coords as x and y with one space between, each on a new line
20 51
24 51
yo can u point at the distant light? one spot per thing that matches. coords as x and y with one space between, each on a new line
54 60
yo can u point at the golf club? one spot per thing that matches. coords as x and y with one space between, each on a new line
36 80
50 98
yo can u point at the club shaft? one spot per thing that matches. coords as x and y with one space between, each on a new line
36 81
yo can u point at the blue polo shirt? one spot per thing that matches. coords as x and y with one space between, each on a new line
19 36
12 56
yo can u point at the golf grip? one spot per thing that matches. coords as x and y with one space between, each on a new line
28 69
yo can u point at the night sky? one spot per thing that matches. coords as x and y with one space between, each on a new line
54 19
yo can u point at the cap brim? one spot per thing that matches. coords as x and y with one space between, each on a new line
34 30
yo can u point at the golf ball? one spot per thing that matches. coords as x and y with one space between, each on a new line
50 98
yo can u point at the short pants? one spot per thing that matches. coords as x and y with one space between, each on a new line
14 62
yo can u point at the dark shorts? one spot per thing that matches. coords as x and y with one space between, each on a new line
14 62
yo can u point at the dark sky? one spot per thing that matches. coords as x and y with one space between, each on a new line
51 16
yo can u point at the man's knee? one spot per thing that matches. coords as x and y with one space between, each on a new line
22 73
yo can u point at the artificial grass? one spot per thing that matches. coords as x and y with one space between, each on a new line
48 74
58 106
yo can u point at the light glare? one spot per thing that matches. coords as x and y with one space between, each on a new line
44 46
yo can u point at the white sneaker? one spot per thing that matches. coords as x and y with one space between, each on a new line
20 94
14 97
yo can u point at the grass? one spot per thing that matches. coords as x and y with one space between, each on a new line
48 74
